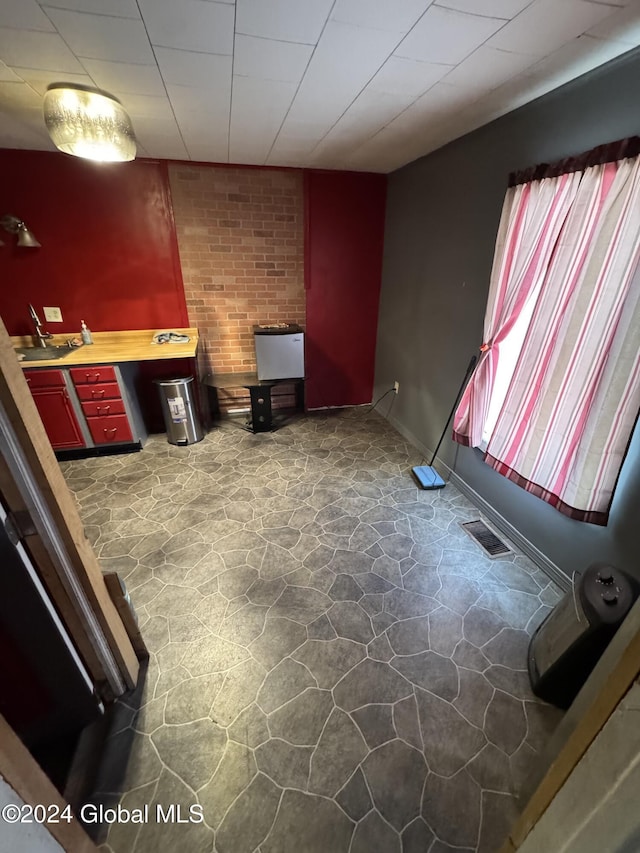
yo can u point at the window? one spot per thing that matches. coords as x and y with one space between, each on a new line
555 395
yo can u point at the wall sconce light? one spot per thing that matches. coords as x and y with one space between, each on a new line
14 225
88 123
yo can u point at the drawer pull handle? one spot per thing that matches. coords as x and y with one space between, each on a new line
96 377
98 393
101 409
113 430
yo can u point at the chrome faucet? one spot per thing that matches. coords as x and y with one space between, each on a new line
42 336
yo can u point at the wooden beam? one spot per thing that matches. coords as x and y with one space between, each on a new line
609 682
21 411
22 773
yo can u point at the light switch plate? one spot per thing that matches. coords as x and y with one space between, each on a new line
52 315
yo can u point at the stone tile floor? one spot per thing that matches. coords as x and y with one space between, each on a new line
335 666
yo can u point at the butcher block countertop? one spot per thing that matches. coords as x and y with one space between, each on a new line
114 347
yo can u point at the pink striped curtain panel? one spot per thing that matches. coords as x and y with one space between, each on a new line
573 399
532 217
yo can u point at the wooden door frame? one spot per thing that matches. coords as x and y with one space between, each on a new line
605 688
31 481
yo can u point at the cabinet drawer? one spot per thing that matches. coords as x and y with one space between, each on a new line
92 375
102 408
109 429
44 378
104 391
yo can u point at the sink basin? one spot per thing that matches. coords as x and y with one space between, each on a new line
43 353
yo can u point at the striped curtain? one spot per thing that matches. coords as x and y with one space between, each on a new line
573 400
533 215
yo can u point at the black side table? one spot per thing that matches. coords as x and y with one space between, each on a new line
259 394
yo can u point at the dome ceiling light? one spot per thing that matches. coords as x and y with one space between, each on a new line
88 123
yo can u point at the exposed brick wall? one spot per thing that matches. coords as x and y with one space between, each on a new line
241 240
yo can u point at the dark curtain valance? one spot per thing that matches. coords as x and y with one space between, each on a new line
606 153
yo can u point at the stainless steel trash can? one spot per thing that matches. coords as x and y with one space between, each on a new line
179 411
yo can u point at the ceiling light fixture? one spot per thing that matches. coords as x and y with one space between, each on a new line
88 123
14 225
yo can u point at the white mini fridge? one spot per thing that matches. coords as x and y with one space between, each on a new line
279 352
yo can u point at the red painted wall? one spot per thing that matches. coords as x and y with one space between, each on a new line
343 266
109 253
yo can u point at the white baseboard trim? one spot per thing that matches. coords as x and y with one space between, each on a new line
528 548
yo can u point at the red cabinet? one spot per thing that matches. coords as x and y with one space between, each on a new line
102 404
81 406
49 391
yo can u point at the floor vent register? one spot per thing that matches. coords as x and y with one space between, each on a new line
487 539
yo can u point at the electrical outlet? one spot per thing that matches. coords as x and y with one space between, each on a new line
52 315
396 387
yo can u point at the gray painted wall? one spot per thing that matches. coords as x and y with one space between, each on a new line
442 217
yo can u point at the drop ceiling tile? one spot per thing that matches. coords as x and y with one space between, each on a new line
290 160
344 61
149 106
258 108
272 60
341 143
373 109
512 94
573 59
19 96
435 105
400 76
286 20
488 67
25 15
208 152
37 50
24 130
491 8
398 16
163 147
622 25
246 152
298 147
190 24
302 132
9 75
211 104
204 137
381 152
116 8
546 25
443 35
160 137
265 101
125 77
188 68
199 130
103 37
40 80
